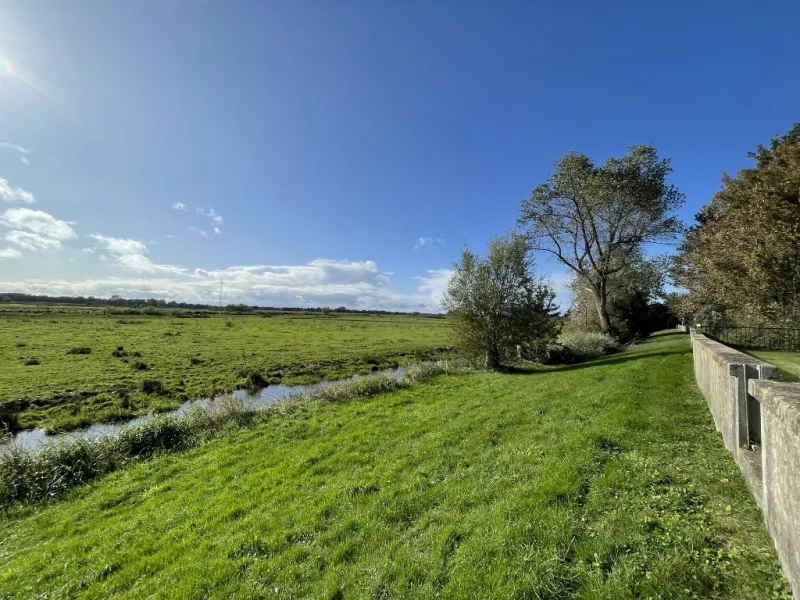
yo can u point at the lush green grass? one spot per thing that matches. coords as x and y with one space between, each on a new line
599 480
788 363
83 376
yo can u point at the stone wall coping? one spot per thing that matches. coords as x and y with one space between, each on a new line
780 398
732 359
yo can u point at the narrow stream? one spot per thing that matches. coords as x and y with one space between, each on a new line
33 439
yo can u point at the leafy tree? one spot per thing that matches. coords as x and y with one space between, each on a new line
500 308
633 294
741 261
596 219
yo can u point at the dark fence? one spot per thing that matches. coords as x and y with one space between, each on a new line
758 338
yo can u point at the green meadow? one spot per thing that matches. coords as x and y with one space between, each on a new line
605 479
65 368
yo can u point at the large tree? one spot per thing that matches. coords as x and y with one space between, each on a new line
741 261
634 295
501 309
595 219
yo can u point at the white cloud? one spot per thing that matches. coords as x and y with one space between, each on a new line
10 194
179 206
434 283
32 241
25 160
35 230
216 219
441 241
170 236
355 284
131 255
37 221
10 253
200 231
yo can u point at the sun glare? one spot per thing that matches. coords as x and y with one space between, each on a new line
6 68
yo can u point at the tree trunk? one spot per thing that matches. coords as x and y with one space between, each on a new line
492 359
601 302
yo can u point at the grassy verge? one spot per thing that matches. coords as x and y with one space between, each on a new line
29 476
788 363
600 480
66 370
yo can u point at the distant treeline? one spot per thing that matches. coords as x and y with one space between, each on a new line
116 301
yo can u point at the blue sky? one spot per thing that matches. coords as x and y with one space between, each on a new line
345 151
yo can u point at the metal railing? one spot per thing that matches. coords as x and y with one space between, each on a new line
757 338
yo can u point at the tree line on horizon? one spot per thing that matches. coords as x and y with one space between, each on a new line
160 303
738 264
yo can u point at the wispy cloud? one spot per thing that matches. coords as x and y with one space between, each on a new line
10 194
199 231
428 241
10 253
20 150
214 217
170 236
180 206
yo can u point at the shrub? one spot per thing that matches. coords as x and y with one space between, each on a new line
582 345
31 361
152 386
21 344
140 366
228 323
80 350
195 361
255 380
119 353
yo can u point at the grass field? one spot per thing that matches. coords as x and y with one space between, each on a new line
788 363
72 367
600 480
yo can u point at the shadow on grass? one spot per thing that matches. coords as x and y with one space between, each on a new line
612 359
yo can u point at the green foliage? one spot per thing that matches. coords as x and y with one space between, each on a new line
740 262
601 480
501 310
633 293
597 219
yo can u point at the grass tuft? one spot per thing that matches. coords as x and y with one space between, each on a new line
80 350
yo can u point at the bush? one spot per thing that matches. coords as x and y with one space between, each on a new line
140 366
31 362
20 344
195 361
581 345
152 386
80 350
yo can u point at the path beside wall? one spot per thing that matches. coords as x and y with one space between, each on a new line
759 420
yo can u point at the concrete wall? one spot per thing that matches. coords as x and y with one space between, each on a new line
759 420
